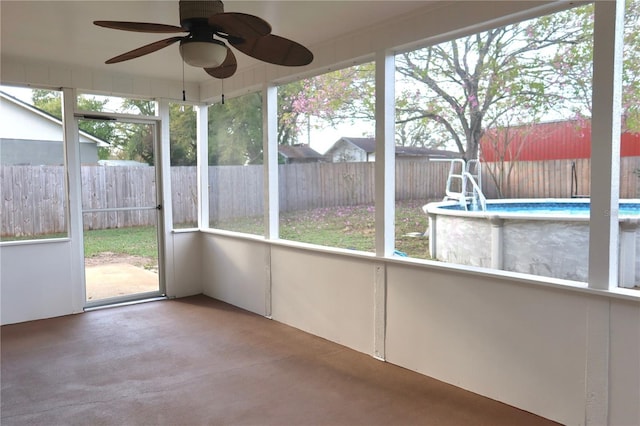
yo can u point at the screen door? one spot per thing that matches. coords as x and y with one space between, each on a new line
120 211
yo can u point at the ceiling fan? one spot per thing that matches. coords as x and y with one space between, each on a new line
206 24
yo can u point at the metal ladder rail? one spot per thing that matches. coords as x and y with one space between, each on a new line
453 176
465 176
475 165
475 197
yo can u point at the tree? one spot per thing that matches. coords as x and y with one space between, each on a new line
183 135
235 127
574 64
288 115
453 92
336 97
506 143
50 101
136 142
456 90
128 141
235 131
631 68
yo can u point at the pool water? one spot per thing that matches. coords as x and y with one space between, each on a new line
549 208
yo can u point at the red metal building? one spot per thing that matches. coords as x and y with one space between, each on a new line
547 141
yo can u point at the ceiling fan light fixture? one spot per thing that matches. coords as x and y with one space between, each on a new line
203 54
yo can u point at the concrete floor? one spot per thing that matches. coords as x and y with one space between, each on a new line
196 361
117 280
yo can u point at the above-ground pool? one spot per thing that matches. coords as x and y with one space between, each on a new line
547 237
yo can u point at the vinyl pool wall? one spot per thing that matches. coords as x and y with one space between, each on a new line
550 245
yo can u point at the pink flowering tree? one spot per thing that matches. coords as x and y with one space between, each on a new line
631 68
340 96
456 90
572 63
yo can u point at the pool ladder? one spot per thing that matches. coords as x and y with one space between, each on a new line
466 176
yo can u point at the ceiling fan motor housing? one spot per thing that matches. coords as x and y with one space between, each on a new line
194 13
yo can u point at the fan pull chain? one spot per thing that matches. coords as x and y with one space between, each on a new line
223 91
184 93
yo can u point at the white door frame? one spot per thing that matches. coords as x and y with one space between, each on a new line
155 122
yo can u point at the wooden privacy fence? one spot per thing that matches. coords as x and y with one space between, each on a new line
33 197
237 191
33 200
118 187
552 178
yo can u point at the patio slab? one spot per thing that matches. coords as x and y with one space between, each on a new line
118 279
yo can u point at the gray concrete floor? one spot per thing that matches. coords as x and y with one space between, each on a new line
197 361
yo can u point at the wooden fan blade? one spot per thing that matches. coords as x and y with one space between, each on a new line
144 50
240 25
141 27
226 69
275 50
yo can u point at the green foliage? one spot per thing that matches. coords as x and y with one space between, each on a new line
103 153
235 131
235 127
133 141
130 141
183 135
50 101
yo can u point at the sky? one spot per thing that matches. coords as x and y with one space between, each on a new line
24 94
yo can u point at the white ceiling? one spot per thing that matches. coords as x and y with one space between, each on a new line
62 32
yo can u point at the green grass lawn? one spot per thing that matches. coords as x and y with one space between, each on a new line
135 241
349 227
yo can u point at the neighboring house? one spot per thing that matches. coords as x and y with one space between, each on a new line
352 150
363 150
425 154
30 136
299 153
558 140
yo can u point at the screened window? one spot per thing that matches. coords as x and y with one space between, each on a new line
32 164
629 237
492 119
236 193
183 158
326 148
